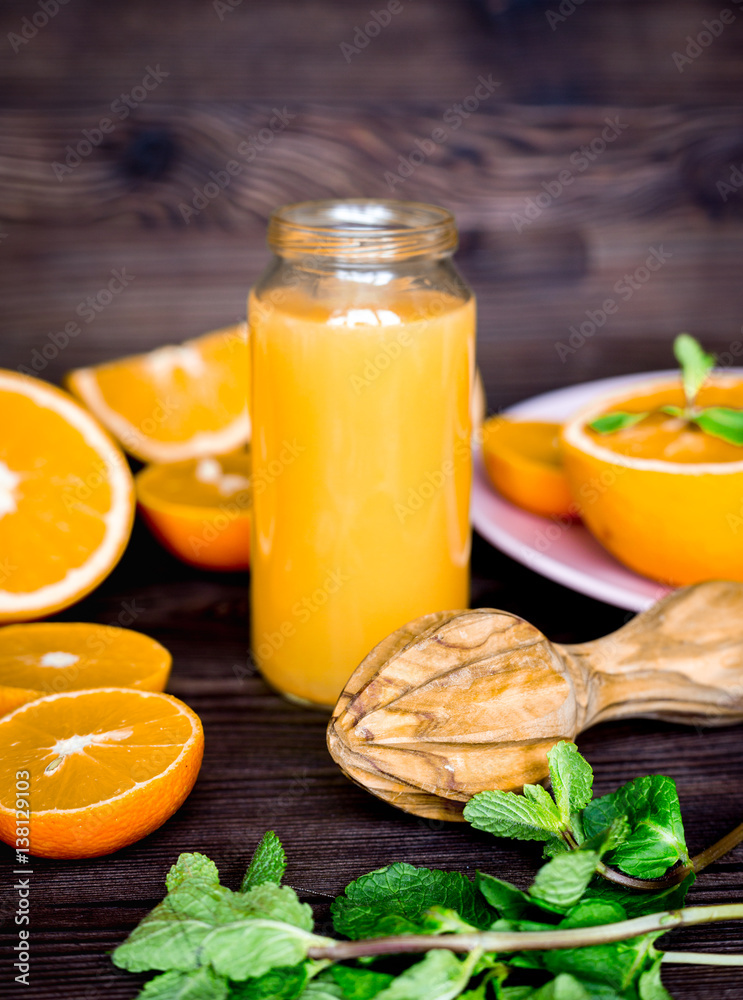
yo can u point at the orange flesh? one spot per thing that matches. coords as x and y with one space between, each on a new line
660 436
178 396
676 515
524 463
178 483
200 510
119 736
103 768
60 656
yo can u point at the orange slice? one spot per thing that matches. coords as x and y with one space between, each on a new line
62 656
66 500
85 773
524 463
664 498
177 402
200 510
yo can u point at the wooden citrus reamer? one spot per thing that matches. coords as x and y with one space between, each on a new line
458 702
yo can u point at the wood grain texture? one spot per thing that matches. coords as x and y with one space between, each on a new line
276 49
654 189
458 703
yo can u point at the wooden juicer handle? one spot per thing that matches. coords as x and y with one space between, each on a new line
459 702
682 661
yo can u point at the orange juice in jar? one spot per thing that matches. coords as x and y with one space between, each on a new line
362 340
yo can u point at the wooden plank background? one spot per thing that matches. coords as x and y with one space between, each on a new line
349 119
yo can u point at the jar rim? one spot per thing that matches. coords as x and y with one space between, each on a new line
362 230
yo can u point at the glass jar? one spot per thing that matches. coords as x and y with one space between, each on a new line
362 343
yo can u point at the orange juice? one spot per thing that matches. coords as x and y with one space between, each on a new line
361 473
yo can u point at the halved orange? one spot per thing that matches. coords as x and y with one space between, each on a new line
50 657
66 500
85 773
666 499
176 402
524 463
200 510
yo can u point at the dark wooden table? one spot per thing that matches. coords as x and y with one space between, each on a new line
680 134
266 766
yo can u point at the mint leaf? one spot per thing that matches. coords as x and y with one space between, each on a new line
322 988
268 863
592 913
164 942
442 920
170 935
510 902
564 987
617 421
192 867
360 984
531 816
572 779
285 983
274 902
440 976
617 966
202 984
395 899
721 422
637 904
615 834
195 901
254 947
695 365
656 841
497 974
564 879
650 986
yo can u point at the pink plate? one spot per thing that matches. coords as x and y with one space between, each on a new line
568 554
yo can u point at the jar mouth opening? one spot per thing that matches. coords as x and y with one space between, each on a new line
362 230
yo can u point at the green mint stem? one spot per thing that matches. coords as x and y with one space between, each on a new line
717 850
674 877
701 958
580 937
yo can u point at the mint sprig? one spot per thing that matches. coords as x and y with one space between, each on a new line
574 932
268 863
695 364
725 423
617 420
